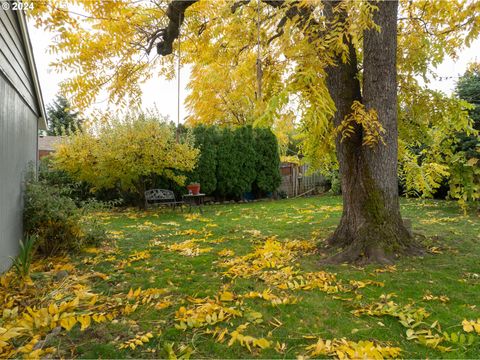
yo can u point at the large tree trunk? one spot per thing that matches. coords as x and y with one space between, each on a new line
371 228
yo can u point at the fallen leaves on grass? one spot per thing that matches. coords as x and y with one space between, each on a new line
204 312
271 254
31 314
442 298
471 325
389 269
27 320
188 248
226 253
247 340
237 336
410 317
346 349
182 351
434 250
138 340
275 300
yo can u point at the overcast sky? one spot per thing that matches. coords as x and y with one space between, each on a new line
156 92
163 93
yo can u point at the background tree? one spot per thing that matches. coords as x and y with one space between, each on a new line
235 160
245 158
468 89
445 149
467 167
62 120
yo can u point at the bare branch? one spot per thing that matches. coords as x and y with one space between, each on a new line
152 38
279 32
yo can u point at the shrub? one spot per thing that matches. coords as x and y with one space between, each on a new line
268 176
227 169
93 230
55 220
234 161
333 178
77 190
246 157
127 153
206 140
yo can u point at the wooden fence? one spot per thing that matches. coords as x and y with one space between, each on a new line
295 182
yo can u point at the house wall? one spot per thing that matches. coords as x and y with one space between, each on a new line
13 58
19 115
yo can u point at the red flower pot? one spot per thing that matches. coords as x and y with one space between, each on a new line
194 188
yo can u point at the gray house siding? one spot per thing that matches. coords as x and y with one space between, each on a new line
13 59
20 109
18 133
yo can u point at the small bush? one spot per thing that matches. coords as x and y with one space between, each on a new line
77 190
56 221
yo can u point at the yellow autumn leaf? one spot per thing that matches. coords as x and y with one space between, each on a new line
130 294
227 296
68 323
53 309
262 343
137 292
471 326
84 321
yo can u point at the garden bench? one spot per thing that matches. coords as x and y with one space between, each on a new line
161 197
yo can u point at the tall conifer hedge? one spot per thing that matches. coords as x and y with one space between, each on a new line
234 161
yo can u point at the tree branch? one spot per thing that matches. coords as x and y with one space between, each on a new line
294 9
176 14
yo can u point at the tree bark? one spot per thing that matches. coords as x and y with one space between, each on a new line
176 14
371 228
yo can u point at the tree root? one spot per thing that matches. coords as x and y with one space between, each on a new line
356 255
382 246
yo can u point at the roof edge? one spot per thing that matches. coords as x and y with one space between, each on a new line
42 120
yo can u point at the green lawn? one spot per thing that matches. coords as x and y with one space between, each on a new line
304 301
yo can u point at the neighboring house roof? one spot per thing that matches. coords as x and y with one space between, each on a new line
47 143
42 121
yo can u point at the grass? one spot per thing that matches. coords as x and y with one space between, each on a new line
450 270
